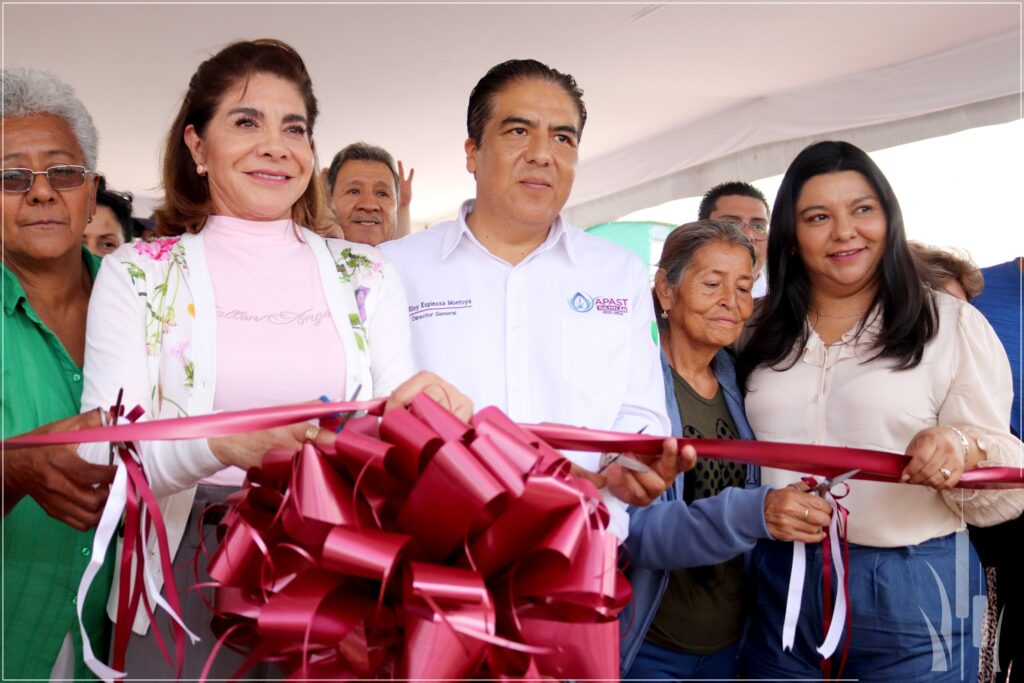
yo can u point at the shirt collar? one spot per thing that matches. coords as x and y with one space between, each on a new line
560 232
14 293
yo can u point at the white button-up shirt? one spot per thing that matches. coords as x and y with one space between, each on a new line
567 335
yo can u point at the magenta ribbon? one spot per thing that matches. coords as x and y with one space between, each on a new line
425 547
421 548
823 461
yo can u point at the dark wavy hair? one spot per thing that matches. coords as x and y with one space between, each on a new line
779 328
187 194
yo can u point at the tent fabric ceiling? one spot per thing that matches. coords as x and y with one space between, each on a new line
677 94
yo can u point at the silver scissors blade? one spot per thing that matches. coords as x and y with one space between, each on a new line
343 418
829 484
630 463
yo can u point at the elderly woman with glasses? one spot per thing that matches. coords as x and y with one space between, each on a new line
685 550
242 304
50 145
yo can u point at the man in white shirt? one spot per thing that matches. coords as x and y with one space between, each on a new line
744 205
519 309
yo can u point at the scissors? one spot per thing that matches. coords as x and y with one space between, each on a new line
337 421
826 485
630 463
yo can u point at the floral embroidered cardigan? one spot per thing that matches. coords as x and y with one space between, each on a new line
152 331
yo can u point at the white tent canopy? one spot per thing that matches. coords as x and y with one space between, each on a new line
679 96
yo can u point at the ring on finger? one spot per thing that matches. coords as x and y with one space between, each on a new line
945 472
312 432
807 513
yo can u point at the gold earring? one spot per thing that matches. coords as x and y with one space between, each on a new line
200 169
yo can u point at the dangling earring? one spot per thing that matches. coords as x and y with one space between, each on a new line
664 315
200 169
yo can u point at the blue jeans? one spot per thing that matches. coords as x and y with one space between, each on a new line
911 619
654 662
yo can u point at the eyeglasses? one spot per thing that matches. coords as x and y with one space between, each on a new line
758 227
63 177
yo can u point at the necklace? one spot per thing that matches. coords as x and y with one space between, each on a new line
836 317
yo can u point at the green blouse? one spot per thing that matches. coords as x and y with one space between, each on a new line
43 559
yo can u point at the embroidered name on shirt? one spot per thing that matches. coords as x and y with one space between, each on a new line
438 309
308 316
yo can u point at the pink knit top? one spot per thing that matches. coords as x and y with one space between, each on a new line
276 340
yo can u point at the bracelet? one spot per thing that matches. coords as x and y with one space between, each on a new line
963 440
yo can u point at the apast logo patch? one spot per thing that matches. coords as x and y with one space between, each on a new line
581 302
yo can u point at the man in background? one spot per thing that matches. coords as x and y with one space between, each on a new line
744 205
369 195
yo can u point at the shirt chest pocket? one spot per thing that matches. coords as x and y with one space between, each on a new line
595 357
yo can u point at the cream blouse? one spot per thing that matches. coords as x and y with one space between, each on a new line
832 397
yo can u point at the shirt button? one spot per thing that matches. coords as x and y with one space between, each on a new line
74 599
77 377
85 552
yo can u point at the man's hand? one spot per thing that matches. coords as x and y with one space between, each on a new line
404 185
643 488
434 387
68 488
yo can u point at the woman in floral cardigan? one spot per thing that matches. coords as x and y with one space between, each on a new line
239 306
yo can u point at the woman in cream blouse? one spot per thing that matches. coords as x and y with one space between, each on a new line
851 349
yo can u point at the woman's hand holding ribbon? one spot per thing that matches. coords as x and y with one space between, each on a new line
937 458
247 450
794 514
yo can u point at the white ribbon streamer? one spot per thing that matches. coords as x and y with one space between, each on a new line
110 520
794 597
835 629
151 587
796 591
105 532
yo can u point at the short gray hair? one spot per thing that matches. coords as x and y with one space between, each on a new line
31 92
683 243
360 151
